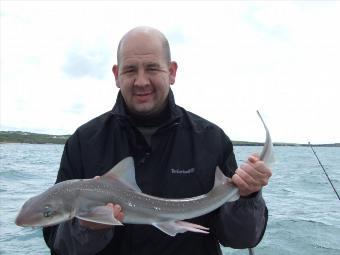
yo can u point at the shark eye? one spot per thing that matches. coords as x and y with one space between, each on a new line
48 212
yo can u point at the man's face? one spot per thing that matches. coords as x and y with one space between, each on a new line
144 75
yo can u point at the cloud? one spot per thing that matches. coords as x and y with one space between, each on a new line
87 62
76 108
176 36
267 23
234 57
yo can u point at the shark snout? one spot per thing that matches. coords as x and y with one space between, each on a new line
19 221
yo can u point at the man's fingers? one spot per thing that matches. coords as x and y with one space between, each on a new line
117 207
254 170
244 188
245 175
253 158
251 176
117 212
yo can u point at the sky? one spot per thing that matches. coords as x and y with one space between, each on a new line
234 57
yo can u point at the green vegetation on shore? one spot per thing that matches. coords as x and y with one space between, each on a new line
34 138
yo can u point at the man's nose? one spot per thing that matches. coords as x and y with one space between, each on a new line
142 78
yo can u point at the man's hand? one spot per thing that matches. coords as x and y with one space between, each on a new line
251 176
117 213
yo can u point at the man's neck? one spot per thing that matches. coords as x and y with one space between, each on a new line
153 120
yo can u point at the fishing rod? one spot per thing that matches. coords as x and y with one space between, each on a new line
324 170
251 251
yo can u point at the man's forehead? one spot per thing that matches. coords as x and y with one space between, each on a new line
141 47
145 55
145 61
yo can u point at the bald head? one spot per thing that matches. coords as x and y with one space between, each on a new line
143 34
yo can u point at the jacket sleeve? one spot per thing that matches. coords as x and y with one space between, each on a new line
242 223
69 237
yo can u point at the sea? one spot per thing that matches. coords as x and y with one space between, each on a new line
304 211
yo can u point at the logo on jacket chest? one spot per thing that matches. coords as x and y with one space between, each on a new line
182 171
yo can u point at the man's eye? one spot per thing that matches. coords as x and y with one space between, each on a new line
128 70
153 69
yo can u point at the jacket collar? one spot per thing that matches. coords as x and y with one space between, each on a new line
119 109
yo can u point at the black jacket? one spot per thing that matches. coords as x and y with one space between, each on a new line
180 162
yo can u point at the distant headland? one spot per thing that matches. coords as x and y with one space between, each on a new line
35 138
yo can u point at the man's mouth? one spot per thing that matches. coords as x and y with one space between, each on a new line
143 96
143 93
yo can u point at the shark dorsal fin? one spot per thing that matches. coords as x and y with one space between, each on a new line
124 171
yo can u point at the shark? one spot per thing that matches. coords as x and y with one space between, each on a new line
86 199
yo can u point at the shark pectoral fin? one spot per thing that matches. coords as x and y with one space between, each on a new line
174 227
99 214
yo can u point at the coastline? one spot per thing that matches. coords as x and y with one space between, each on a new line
18 137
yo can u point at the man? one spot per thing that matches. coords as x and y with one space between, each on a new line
175 154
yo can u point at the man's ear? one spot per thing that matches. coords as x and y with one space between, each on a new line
172 72
115 70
